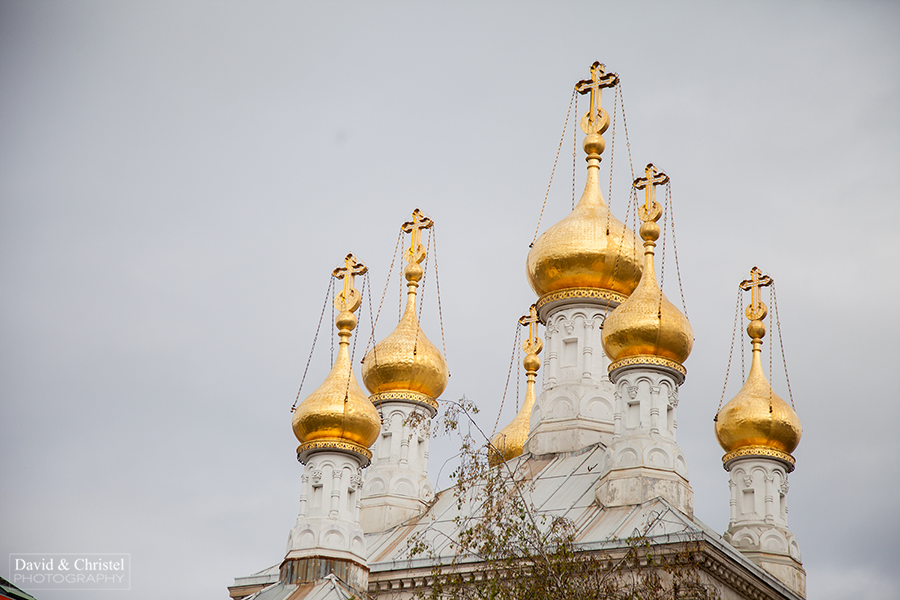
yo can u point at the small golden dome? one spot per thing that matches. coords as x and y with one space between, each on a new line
588 249
510 441
757 422
406 361
647 324
338 414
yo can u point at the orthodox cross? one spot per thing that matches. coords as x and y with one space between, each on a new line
416 252
349 298
756 310
599 79
653 177
533 344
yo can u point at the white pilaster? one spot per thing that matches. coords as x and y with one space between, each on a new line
575 408
328 524
758 525
645 459
397 487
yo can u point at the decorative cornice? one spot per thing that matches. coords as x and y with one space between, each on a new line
581 293
404 396
761 451
304 450
644 359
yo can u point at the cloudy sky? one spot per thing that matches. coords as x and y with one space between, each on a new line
178 179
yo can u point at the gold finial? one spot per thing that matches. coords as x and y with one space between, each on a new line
416 251
532 344
349 299
651 211
596 120
756 310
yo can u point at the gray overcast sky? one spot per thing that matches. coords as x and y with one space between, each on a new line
178 179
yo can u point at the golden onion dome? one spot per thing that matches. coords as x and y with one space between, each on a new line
510 441
338 414
647 328
405 363
588 253
757 422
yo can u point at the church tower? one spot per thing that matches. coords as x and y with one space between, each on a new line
647 339
405 374
335 425
581 268
758 431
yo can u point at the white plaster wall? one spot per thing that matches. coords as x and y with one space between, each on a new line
397 486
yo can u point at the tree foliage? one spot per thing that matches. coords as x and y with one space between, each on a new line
505 549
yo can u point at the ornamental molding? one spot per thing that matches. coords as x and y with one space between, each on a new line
641 360
404 396
580 294
760 451
304 450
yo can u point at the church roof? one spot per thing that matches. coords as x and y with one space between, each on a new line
327 588
562 486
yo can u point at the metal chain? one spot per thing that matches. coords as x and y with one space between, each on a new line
424 276
512 360
612 152
328 291
621 95
437 284
781 343
422 292
362 292
553 171
772 349
574 150
518 375
384 292
675 248
662 257
734 328
372 321
332 320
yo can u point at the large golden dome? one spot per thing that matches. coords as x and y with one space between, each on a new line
338 414
406 364
648 325
757 422
590 249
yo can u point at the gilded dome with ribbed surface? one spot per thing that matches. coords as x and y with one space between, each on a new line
647 324
757 422
406 361
338 414
588 249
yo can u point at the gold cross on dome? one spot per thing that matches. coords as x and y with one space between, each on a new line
599 79
416 252
651 211
349 298
756 310
532 343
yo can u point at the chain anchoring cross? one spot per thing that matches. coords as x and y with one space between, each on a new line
532 344
599 79
651 211
349 298
756 309
416 251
